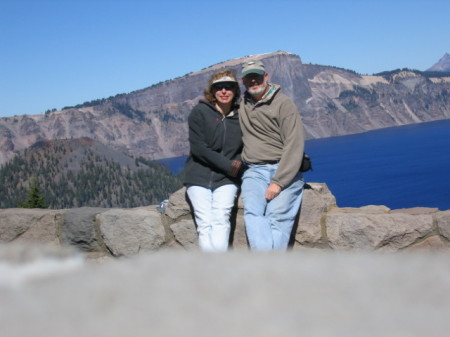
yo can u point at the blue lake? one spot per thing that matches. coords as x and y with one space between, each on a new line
400 167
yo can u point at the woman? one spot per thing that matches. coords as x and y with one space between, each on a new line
213 167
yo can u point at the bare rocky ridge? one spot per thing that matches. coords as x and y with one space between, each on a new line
152 122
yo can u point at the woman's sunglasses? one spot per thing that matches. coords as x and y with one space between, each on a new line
221 86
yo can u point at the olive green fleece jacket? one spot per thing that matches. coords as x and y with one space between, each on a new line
272 131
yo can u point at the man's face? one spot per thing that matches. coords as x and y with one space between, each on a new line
255 83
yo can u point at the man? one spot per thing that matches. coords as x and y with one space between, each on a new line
273 136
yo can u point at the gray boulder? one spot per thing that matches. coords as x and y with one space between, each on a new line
31 225
375 228
79 228
127 232
317 201
185 233
443 223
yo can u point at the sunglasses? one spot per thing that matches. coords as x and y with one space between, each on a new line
221 86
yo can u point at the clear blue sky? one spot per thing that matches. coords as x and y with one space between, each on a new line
56 53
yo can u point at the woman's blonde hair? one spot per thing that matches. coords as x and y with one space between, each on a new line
209 92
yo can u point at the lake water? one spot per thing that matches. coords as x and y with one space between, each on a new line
399 167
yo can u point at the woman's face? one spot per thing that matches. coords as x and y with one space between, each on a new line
224 92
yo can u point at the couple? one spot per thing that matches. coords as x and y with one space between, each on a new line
260 142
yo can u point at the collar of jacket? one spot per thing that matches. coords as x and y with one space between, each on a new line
273 89
232 113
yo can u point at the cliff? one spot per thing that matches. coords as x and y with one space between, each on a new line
152 122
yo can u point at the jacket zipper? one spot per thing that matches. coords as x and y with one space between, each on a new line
223 121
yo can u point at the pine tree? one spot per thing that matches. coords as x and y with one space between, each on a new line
35 198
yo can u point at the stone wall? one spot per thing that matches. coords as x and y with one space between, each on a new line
101 232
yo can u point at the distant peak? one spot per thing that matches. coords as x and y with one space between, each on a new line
442 65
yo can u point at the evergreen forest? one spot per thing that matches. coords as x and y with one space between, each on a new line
70 177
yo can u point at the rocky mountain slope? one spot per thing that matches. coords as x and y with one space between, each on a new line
152 122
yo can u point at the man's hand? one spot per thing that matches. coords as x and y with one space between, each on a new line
272 191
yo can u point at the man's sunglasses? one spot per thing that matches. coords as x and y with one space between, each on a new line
221 86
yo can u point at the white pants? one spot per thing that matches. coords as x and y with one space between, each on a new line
212 211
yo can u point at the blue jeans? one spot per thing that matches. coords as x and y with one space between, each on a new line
269 223
212 211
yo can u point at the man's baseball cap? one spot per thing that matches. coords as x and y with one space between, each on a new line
253 67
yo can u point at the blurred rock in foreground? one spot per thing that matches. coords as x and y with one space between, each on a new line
240 293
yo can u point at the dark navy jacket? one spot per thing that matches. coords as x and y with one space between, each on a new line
214 142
